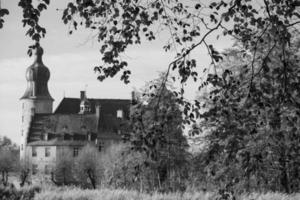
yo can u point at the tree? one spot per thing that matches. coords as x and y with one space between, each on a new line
63 172
123 168
88 166
9 158
156 130
253 140
8 163
120 24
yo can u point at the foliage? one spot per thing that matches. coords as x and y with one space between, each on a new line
121 24
252 132
3 12
88 168
123 168
156 132
9 158
12 193
63 172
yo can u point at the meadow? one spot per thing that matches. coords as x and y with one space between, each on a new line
107 194
75 193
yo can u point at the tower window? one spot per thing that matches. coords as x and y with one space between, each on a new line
75 151
21 147
47 151
22 132
22 118
34 152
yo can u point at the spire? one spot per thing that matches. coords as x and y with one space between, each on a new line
37 76
38 54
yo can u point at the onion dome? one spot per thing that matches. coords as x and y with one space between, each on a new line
37 76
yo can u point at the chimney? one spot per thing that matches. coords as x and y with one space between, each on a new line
98 110
133 98
82 95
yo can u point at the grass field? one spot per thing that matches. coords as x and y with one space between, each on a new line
107 194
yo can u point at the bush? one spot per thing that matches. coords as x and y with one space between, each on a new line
25 193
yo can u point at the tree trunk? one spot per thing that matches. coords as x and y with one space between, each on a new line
92 178
64 176
24 175
3 177
53 179
159 184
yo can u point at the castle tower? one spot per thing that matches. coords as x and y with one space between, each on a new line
36 98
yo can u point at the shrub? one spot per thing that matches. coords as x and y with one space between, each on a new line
25 193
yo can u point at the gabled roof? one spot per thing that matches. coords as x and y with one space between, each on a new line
66 122
108 111
108 106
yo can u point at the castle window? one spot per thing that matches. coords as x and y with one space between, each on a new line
47 151
34 169
22 118
34 152
101 146
120 113
75 151
22 132
21 147
47 169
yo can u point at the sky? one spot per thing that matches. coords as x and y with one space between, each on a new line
71 59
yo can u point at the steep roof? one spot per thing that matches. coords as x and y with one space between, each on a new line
67 123
72 105
58 125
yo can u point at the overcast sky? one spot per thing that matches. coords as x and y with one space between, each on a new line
70 59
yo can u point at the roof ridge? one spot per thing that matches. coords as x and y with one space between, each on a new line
74 98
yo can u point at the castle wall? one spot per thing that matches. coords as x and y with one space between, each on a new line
40 161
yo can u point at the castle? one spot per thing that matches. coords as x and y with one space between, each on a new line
46 135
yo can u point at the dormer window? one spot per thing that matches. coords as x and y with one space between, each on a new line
45 136
120 113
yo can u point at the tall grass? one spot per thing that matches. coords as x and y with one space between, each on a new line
108 194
